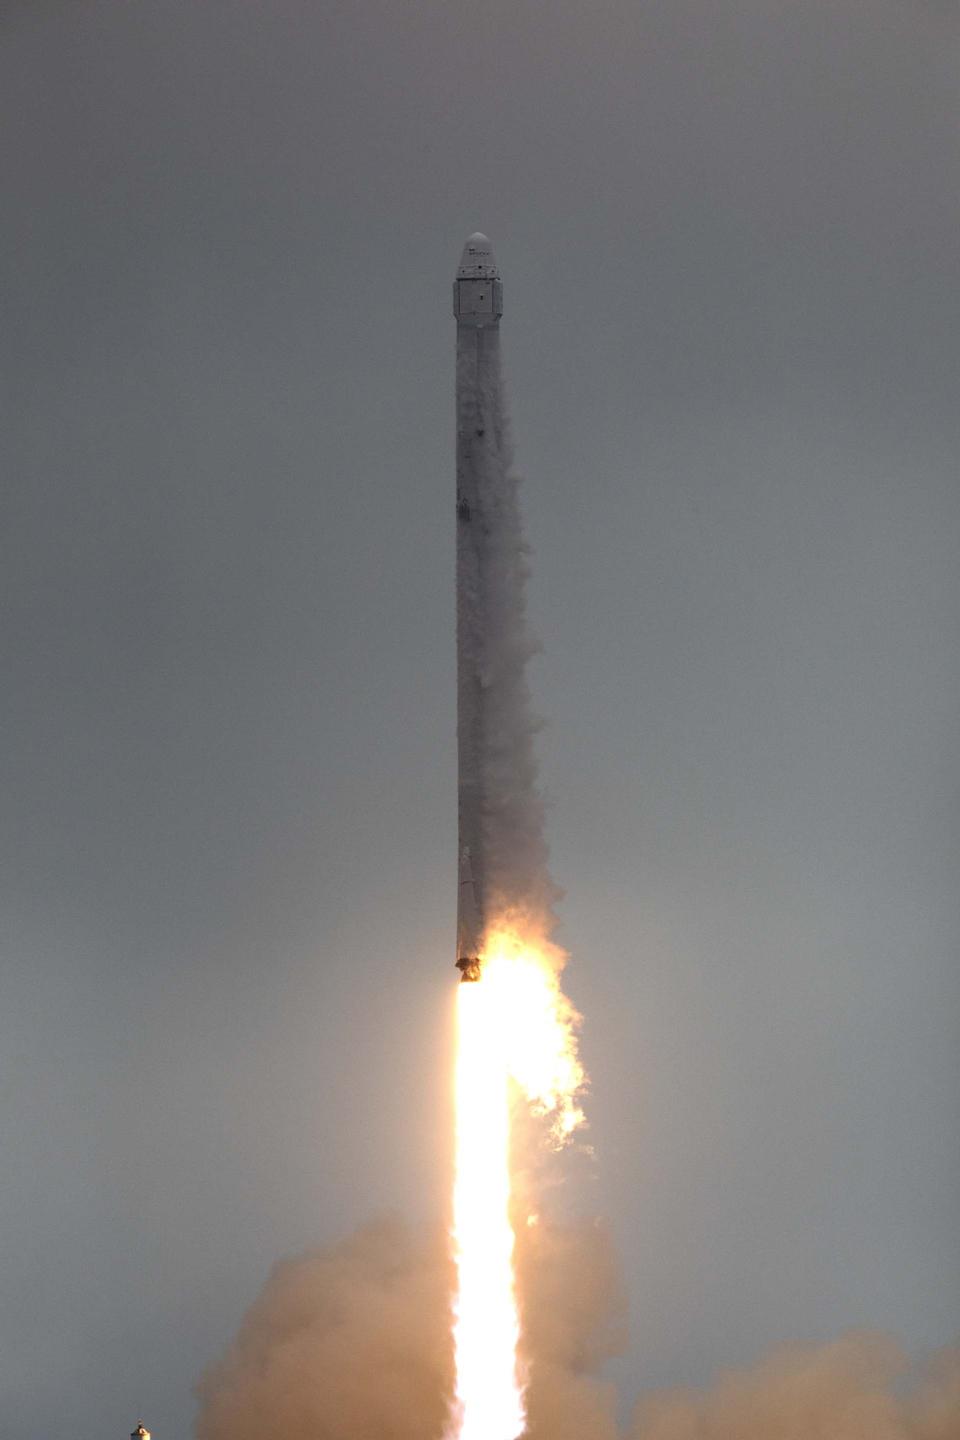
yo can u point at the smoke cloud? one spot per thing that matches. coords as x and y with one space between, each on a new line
350 1343
573 1312
353 1343
861 1387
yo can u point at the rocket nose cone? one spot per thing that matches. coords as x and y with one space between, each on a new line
477 260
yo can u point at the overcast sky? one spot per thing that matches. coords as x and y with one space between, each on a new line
728 235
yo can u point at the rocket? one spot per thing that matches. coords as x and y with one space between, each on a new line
477 305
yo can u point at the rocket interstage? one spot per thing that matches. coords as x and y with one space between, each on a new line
481 463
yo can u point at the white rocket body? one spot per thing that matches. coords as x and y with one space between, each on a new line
502 866
477 305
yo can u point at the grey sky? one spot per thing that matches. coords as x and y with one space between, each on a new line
728 235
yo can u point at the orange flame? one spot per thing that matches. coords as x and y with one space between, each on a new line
516 1037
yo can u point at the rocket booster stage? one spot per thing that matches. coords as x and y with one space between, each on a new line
481 462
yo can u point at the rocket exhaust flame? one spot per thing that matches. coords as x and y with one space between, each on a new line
489 1398
515 1028
515 1045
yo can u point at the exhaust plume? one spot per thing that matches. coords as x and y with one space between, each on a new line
353 1343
